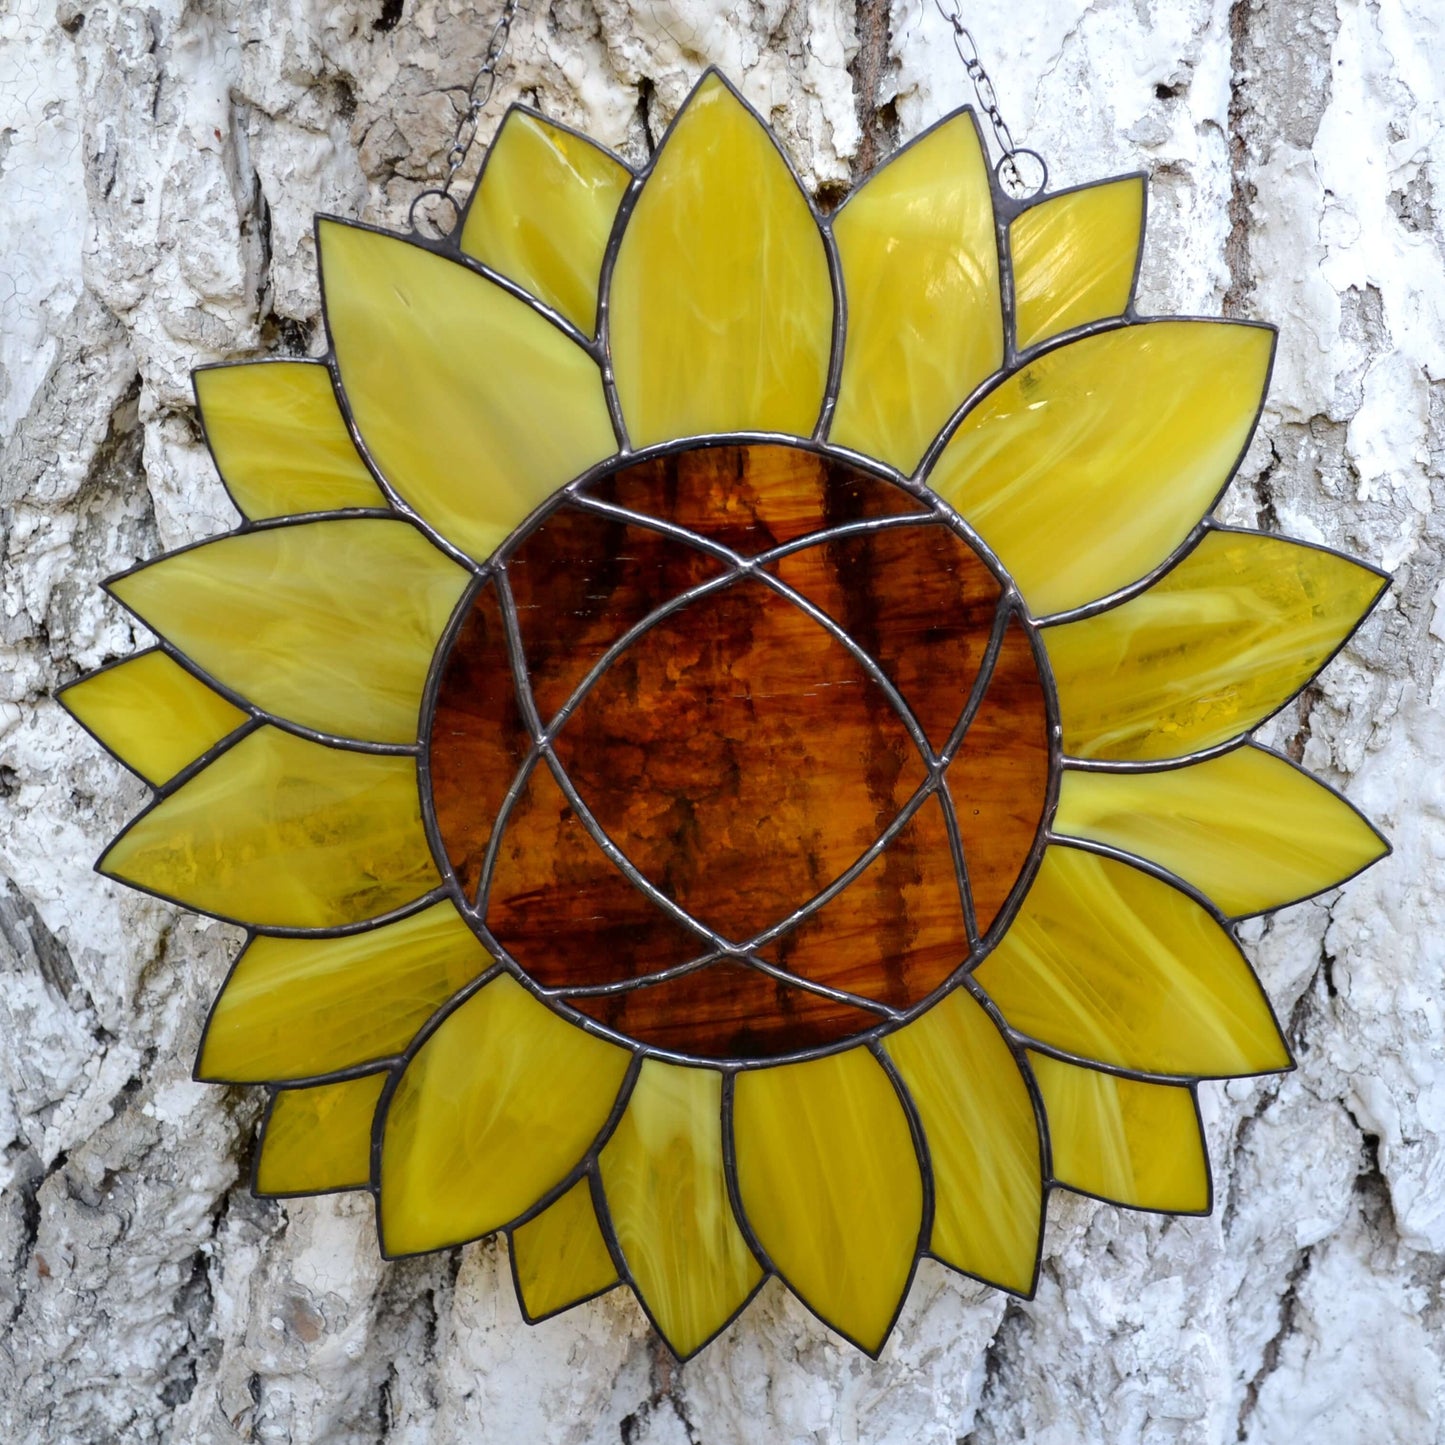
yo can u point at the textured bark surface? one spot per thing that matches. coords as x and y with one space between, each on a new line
159 167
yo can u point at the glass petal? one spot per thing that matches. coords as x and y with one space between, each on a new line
1106 962
319 1138
473 405
920 271
1085 469
294 1008
1248 829
284 833
1074 257
1135 1143
721 303
829 1180
151 713
543 211
559 1258
983 1141
280 441
1211 649
667 1194
328 624
494 1109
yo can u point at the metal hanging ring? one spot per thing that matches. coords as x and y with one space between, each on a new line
1012 178
432 195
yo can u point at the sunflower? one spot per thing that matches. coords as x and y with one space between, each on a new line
728 728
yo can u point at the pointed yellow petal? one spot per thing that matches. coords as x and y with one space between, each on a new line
543 211
319 1139
721 304
1247 829
495 1109
920 271
1214 647
280 441
559 1257
1137 1144
1074 257
829 1180
329 624
284 833
983 1141
151 713
667 1194
1108 963
474 407
1085 469
294 1008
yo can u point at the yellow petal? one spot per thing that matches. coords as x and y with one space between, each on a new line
1134 1143
559 1257
1214 647
151 713
1074 257
495 1108
920 271
829 1180
280 441
543 211
319 1139
1085 469
1108 963
294 1008
1248 829
983 1141
284 833
721 305
474 407
662 1172
330 624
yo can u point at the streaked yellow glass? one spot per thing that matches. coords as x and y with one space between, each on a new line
151 713
560 1257
1215 646
319 1138
280 441
829 1181
662 1172
543 211
473 405
330 624
920 271
284 833
1137 1144
1087 468
1247 829
1107 963
297 1007
721 305
1074 257
983 1141
494 1109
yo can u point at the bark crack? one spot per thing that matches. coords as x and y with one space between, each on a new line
877 118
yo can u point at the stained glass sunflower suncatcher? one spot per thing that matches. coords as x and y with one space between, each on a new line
726 728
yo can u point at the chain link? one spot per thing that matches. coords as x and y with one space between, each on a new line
1010 174
477 95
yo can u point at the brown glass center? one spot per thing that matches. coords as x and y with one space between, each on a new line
746 843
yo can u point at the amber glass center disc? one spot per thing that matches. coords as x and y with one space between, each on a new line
797 752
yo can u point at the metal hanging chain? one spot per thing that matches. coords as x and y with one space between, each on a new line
478 94
1009 173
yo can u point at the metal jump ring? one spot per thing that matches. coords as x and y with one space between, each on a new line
1009 161
441 194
